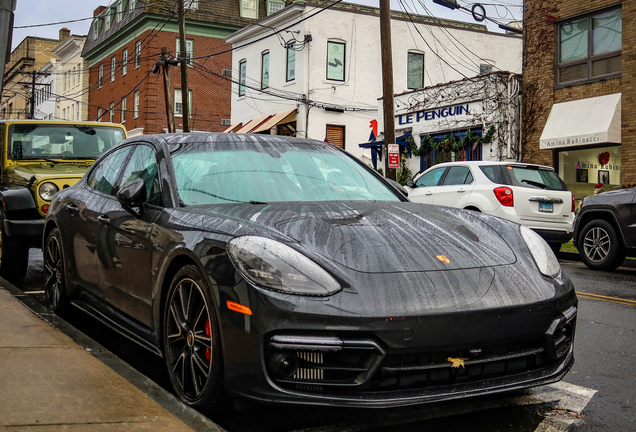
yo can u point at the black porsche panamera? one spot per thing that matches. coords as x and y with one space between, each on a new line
284 270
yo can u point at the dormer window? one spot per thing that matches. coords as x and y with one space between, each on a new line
274 6
249 9
97 27
191 4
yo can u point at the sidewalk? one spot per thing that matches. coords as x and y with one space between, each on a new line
49 382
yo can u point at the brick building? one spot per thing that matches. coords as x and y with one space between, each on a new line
579 97
125 41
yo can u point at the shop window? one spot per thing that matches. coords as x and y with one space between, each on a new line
264 70
242 77
589 47
336 136
249 8
415 71
581 169
336 61
291 62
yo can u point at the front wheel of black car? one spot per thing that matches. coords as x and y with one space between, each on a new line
14 258
54 274
599 246
192 347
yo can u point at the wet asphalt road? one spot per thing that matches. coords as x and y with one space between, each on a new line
599 394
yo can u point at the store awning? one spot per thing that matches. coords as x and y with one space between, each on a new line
232 128
583 122
252 124
280 118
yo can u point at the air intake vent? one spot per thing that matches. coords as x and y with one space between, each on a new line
226 122
309 373
227 72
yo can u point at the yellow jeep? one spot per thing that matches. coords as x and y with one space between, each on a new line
39 158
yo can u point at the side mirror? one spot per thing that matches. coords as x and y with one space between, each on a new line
398 186
409 182
133 195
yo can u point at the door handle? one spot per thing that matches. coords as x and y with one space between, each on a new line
461 190
103 219
428 193
72 208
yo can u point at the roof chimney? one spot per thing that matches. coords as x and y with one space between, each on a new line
99 10
64 34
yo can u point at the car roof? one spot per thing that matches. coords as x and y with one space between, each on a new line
177 140
481 163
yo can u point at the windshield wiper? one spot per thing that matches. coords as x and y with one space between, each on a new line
37 158
534 183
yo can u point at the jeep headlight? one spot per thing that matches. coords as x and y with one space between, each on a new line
47 190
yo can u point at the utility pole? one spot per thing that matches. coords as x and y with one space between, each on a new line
167 89
6 31
184 68
387 84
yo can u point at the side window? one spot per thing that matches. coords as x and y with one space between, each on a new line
103 177
431 178
458 175
143 164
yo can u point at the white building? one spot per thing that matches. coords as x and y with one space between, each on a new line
321 73
477 104
44 99
72 78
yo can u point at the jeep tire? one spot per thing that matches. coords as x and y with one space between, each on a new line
600 248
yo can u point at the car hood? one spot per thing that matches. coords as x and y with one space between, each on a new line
44 170
374 237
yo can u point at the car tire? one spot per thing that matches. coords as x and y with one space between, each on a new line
54 273
599 246
14 258
192 348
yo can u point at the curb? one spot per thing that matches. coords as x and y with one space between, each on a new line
571 256
192 418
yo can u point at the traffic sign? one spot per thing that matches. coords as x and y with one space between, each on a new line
394 156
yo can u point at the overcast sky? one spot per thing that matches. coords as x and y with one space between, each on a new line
31 12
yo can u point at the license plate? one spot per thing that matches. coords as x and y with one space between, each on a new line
546 207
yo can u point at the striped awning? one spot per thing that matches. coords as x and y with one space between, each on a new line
232 128
280 118
252 124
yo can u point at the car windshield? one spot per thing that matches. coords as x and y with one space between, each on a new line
41 141
214 173
537 178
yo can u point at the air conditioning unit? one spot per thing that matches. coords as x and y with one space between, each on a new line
226 122
227 72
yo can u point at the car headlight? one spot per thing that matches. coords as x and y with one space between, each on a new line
541 252
47 190
272 265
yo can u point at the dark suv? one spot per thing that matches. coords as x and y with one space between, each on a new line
605 229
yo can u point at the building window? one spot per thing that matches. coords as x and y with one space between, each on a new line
113 68
123 110
111 113
109 17
136 104
589 48
485 68
249 8
99 114
119 10
265 70
336 136
415 72
137 54
133 5
274 6
189 50
124 62
191 4
242 77
64 114
178 102
78 112
97 26
335 61
100 76
291 62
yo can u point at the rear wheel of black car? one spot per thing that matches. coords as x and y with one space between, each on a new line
14 258
192 347
54 273
599 246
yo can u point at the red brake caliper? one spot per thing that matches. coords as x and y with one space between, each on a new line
208 333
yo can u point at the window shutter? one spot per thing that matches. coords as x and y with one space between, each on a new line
335 135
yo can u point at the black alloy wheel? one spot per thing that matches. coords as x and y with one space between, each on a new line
54 274
14 257
192 342
599 246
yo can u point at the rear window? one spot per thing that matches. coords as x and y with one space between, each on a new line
535 177
494 173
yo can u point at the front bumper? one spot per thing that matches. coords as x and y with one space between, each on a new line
399 360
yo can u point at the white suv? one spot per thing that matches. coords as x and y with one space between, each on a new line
531 195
